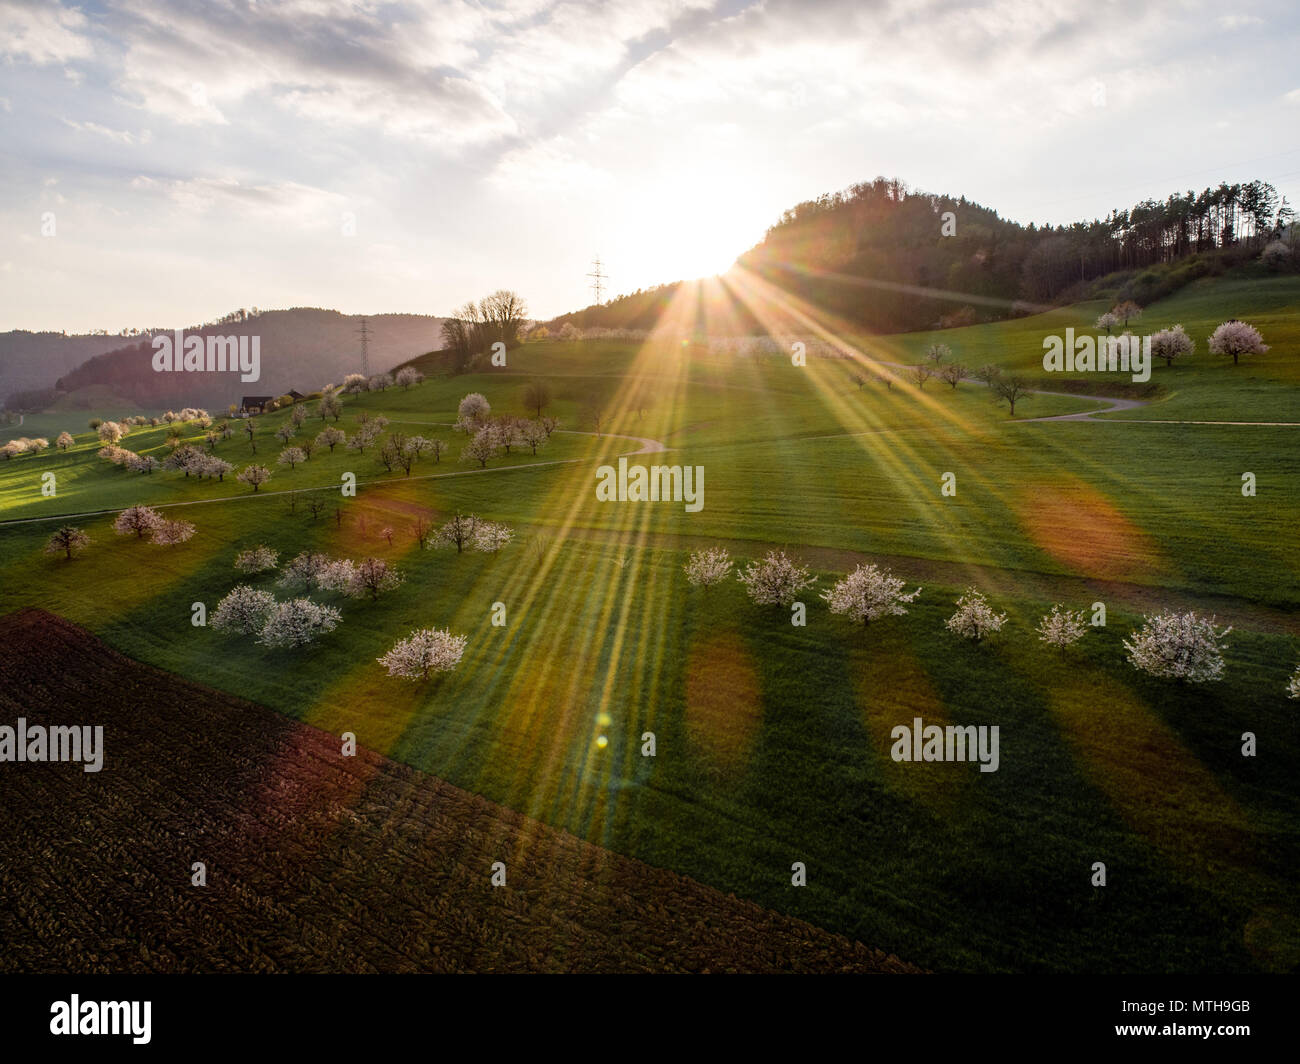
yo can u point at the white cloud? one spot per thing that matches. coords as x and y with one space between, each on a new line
1236 22
392 69
286 201
548 167
42 32
121 136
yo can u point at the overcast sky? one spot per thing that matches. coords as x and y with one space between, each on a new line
202 155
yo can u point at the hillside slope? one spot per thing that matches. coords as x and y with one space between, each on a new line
302 348
315 862
31 360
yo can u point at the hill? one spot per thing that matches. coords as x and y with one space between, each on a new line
35 360
314 862
302 348
881 257
774 739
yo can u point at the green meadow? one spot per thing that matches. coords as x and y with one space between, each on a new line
772 741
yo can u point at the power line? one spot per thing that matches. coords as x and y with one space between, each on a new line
364 333
599 279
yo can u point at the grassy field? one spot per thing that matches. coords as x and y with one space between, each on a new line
773 740
1261 388
315 862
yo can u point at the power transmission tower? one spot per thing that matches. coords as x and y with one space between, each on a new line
364 333
598 279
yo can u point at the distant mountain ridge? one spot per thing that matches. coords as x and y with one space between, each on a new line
31 360
301 348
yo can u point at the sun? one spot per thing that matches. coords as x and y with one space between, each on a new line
693 229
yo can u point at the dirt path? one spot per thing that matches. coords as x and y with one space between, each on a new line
1112 405
1134 404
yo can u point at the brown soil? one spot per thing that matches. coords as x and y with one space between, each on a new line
315 862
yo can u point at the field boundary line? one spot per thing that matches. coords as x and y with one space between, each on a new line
646 448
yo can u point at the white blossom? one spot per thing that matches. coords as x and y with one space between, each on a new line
1062 628
256 559
474 407
243 611
336 575
306 570
1236 338
297 622
169 533
142 463
1276 255
254 475
425 651
1171 343
974 618
776 580
331 438
209 465
483 446
137 519
704 568
490 537
1181 646
868 594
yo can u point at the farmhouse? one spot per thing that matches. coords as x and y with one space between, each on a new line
254 404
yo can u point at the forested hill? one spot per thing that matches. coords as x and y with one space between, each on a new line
873 251
30 360
303 348
888 258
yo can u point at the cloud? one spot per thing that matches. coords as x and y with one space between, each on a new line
42 32
1292 97
121 136
390 68
548 167
1236 22
894 66
287 201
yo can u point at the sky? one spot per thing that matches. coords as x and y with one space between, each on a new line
163 162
